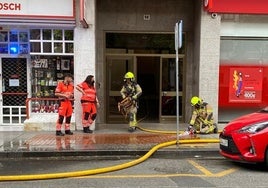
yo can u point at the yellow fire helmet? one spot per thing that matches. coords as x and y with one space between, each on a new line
129 75
195 101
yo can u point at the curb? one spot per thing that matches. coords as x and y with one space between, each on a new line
163 153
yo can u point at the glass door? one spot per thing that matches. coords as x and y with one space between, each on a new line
168 89
117 66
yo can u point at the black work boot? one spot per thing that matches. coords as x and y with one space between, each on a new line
59 133
87 130
215 128
69 132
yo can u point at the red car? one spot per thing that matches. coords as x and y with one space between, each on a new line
245 139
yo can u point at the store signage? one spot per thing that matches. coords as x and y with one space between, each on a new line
10 6
36 8
237 6
245 84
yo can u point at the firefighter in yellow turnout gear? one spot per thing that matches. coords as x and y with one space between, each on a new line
133 91
202 117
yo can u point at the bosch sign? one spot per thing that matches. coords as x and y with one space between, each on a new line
59 9
10 6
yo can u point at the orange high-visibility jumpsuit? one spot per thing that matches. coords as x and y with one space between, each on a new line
66 106
88 102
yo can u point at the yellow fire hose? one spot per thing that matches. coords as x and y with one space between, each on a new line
105 169
164 132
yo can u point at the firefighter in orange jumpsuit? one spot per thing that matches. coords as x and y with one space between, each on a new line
89 101
65 91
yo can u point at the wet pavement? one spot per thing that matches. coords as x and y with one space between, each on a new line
108 139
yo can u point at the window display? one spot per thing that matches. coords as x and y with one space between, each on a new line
47 71
51 41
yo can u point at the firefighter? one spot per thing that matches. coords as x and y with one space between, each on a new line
202 117
89 102
65 92
133 90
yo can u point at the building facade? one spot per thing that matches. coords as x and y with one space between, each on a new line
107 38
243 56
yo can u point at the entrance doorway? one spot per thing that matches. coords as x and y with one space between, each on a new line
151 57
148 77
157 77
14 91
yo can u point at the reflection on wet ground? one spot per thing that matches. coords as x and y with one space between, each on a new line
81 142
113 138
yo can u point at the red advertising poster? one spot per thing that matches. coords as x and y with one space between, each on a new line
245 85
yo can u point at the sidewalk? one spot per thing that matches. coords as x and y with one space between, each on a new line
107 140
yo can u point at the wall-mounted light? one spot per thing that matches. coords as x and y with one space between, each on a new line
14 49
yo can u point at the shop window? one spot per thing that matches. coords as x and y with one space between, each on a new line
243 76
14 48
58 47
4 48
47 47
47 71
3 36
68 35
13 36
23 49
35 47
51 56
57 34
23 37
4 42
14 42
35 34
51 41
46 34
69 47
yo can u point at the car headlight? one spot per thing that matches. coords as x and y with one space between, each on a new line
254 128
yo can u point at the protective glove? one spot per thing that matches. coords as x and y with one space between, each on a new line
134 97
206 122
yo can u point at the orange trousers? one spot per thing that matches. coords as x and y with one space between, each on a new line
89 113
65 110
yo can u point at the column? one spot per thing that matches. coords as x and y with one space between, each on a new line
209 59
84 54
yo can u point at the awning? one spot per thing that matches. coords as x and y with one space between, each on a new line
37 22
